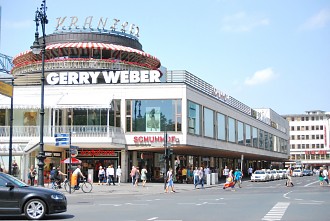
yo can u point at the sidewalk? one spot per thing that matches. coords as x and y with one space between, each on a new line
128 188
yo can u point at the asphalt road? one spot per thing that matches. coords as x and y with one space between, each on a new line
307 200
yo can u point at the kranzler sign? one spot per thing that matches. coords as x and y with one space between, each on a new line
108 77
6 89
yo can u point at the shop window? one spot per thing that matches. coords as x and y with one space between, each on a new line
194 118
208 122
240 132
247 135
254 137
231 130
221 119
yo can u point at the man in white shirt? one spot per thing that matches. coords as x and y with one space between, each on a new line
76 174
118 174
250 171
325 175
111 174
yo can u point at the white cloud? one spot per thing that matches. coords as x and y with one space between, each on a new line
260 77
320 20
240 22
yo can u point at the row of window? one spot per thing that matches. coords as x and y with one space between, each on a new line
203 121
307 137
307 146
309 156
305 128
313 118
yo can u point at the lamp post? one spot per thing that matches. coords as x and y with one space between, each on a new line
41 18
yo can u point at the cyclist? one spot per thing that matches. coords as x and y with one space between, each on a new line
58 174
75 177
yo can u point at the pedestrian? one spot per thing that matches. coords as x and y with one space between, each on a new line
111 175
196 177
52 177
250 171
118 174
321 176
238 177
169 181
200 177
101 175
225 172
132 174
1 170
289 182
32 175
144 176
137 176
325 175
184 174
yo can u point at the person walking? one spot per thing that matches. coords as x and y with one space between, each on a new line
238 177
144 176
32 175
289 180
200 177
325 175
321 176
118 174
225 172
196 177
169 181
132 174
137 176
101 175
250 171
111 175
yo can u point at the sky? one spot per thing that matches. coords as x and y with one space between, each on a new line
265 53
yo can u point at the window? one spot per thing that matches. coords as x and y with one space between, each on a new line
313 128
313 137
254 137
247 135
292 128
261 139
298 127
231 130
306 118
266 141
307 137
153 115
221 126
293 146
240 132
292 137
194 119
321 127
307 127
317 127
271 142
208 122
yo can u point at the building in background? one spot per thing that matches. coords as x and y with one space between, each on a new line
309 139
122 107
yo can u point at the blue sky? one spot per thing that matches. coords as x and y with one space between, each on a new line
265 53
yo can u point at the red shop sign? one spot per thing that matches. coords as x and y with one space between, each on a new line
96 153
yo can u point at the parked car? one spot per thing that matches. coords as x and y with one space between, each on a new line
297 172
307 173
259 175
35 202
283 173
276 175
271 176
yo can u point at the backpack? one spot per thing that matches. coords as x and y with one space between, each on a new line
52 174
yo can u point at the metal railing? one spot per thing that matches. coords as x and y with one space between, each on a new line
115 133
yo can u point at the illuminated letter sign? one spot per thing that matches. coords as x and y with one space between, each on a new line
110 77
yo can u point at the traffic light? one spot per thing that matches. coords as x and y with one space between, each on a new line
169 152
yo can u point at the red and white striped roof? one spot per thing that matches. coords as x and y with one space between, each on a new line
101 46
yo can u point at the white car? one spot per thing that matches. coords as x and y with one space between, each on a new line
297 172
259 175
282 174
276 175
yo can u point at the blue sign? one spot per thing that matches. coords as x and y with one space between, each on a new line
62 139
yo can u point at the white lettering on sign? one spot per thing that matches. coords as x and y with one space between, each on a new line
88 24
110 77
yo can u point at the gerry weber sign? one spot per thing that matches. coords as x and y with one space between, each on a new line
109 77
72 24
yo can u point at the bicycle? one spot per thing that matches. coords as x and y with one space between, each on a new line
85 186
59 185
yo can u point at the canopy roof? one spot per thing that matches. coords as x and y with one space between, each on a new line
82 49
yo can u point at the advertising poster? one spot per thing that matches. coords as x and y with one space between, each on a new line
152 119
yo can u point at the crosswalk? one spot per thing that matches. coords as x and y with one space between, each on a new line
277 212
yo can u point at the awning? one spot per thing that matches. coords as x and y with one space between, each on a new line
91 45
17 149
73 160
85 100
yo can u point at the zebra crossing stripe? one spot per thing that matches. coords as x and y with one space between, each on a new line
277 212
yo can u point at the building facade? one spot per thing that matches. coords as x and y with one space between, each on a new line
309 139
123 108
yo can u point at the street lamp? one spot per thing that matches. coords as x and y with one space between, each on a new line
41 17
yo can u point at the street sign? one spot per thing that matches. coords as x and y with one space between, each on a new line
62 139
6 89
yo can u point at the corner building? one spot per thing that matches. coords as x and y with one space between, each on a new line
120 104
